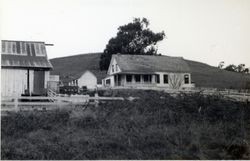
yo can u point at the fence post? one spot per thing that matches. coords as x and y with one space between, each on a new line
96 100
16 103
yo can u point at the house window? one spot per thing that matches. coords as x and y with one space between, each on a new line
129 78
147 78
108 81
165 78
113 69
186 79
137 78
157 78
116 67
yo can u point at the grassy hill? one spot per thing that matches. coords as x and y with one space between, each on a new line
72 65
208 76
203 75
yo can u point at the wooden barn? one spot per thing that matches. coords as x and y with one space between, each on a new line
25 68
150 72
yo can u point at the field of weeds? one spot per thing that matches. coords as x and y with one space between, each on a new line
157 126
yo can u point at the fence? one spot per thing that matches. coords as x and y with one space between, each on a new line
50 103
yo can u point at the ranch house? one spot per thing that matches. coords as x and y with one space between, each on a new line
25 68
149 72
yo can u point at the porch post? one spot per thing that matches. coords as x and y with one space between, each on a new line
153 79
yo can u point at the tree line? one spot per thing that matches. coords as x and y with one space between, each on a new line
241 68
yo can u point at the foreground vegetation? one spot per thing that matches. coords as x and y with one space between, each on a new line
157 126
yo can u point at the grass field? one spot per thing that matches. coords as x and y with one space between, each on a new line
157 126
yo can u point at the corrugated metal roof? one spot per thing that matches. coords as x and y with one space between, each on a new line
24 54
25 61
150 64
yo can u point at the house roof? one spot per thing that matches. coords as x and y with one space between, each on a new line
150 64
24 54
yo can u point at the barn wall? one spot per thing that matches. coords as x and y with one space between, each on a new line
14 81
88 79
46 79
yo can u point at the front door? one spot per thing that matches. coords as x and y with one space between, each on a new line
39 82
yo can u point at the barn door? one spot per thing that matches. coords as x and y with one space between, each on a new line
38 82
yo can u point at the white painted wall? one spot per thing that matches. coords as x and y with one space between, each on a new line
113 63
170 75
112 81
14 81
88 79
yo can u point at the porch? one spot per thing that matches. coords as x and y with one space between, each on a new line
135 80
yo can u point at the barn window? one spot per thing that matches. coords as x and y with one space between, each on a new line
9 47
33 50
43 49
186 79
157 78
137 78
18 47
3 47
147 78
165 78
37 49
14 47
108 81
129 78
23 47
28 49
113 70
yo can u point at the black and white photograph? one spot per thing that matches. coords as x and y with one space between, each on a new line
125 79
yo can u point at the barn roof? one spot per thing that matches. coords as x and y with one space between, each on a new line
150 64
24 54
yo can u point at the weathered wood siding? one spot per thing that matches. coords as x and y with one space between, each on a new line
14 81
46 78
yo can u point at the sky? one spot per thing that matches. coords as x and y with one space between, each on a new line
209 31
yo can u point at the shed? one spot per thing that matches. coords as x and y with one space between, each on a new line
89 79
25 68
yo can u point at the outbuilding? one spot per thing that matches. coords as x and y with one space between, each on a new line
87 79
25 68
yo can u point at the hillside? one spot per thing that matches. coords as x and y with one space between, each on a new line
203 75
208 76
72 65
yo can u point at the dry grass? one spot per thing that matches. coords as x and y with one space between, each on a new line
157 126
